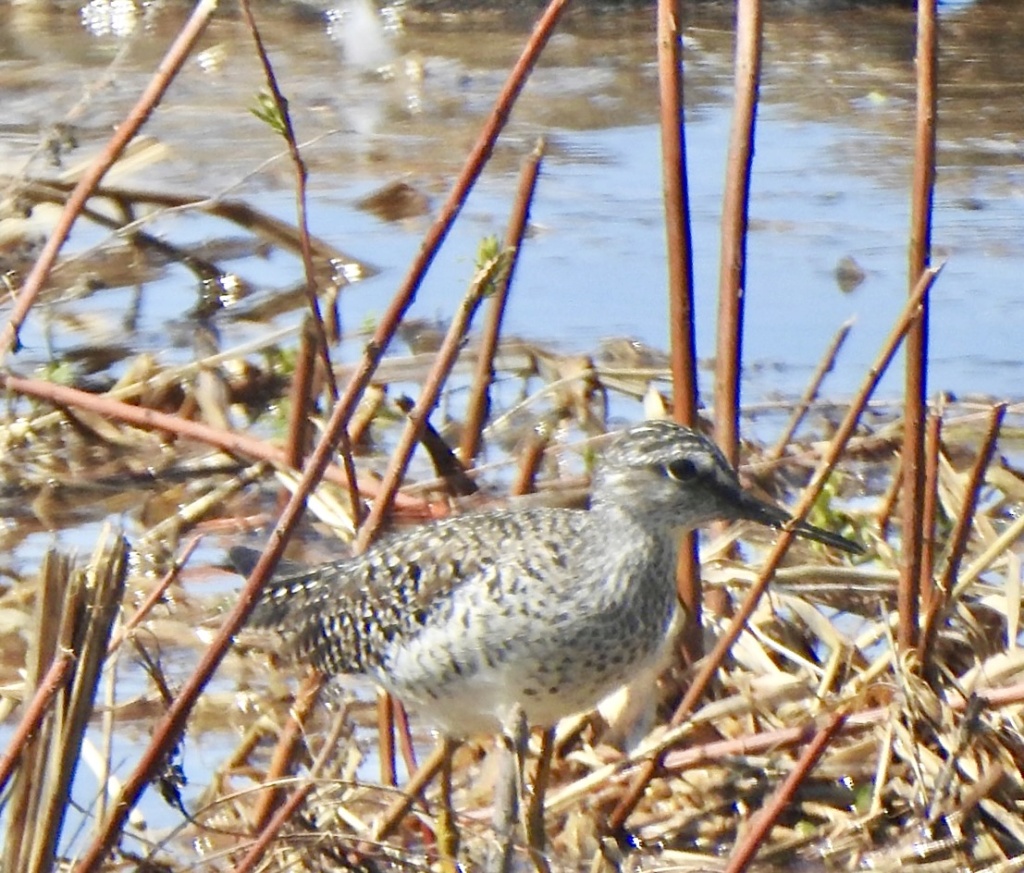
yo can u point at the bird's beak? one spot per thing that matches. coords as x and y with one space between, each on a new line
752 509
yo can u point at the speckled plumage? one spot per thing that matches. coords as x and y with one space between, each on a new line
550 609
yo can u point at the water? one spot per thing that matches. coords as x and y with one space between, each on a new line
831 172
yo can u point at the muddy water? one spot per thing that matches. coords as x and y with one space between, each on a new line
379 98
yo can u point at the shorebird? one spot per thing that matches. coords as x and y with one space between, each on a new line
476 619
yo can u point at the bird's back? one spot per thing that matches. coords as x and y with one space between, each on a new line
344 615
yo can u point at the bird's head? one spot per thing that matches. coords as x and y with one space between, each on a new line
671 475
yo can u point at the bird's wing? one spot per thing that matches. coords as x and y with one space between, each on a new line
357 603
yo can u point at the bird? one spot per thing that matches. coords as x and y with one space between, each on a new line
476 618
496 622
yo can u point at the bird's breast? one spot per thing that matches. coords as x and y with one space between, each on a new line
551 647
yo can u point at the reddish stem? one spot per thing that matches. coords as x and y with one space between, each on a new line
150 419
478 405
735 208
908 592
765 820
301 177
680 290
55 679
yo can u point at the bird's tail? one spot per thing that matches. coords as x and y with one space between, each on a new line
284 594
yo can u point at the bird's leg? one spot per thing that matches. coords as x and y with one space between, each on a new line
535 835
509 788
447 834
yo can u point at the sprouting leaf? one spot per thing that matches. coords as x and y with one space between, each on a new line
492 265
269 112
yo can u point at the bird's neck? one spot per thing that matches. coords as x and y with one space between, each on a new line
630 568
618 518
622 537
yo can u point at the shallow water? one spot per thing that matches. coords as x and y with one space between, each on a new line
831 172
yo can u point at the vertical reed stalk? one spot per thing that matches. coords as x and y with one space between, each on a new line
908 594
300 396
287 130
678 236
940 597
735 212
679 246
932 456
478 407
530 458
76 611
386 739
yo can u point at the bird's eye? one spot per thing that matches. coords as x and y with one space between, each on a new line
682 470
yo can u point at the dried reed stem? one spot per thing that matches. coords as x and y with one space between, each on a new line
908 592
300 396
735 208
404 732
282 761
887 504
679 247
45 691
287 130
530 458
93 599
295 800
929 508
149 419
478 406
410 792
958 539
536 835
386 738
417 416
675 193
810 394
765 820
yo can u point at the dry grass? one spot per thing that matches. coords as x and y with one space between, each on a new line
924 771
